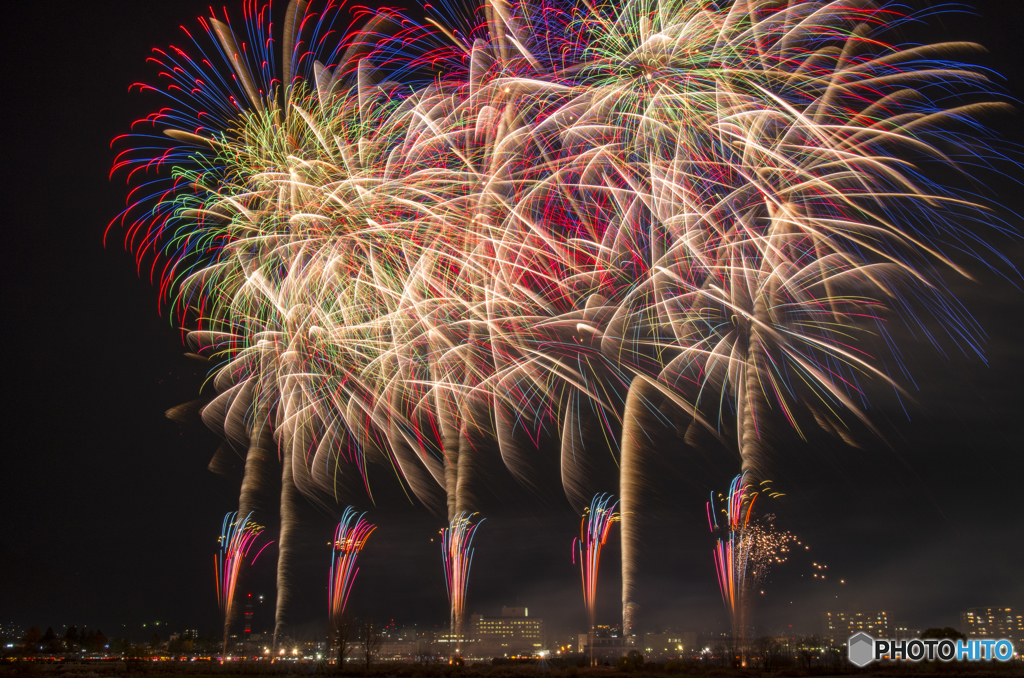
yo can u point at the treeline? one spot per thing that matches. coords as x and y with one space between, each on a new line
94 641
73 640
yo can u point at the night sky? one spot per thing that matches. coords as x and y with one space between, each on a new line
109 516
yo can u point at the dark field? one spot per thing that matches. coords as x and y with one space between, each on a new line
207 670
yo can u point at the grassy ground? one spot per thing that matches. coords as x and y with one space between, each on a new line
206 670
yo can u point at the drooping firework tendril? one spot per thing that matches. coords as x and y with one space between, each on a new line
237 537
457 555
349 539
719 203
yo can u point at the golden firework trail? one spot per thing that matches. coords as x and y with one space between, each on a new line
457 555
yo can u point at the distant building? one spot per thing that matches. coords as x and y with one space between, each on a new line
409 642
247 619
992 622
787 645
659 646
561 641
903 633
837 627
608 649
396 646
514 633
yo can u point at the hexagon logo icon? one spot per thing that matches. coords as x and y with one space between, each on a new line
861 649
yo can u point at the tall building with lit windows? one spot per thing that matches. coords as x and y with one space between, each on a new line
247 619
837 627
992 622
514 633
673 645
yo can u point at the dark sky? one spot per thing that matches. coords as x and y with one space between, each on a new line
108 516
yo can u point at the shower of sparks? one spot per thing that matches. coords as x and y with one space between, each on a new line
457 554
237 537
349 539
594 528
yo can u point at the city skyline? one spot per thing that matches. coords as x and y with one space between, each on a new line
515 633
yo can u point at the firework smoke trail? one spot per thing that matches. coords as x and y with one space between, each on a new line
634 444
597 522
285 554
349 540
236 538
457 555
257 460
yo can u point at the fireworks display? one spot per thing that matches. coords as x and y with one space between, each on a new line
237 537
594 528
457 555
746 547
397 243
732 549
349 539
766 547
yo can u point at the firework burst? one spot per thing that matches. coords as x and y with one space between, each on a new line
746 547
395 242
732 548
594 528
457 555
349 539
237 537
765 547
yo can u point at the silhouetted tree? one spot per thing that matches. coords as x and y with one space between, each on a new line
87 639
945 632
735 651
370 637
343 634
722 652
767 651
71 635
834 656
31 639
154 640
178 646
633 660
807 649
